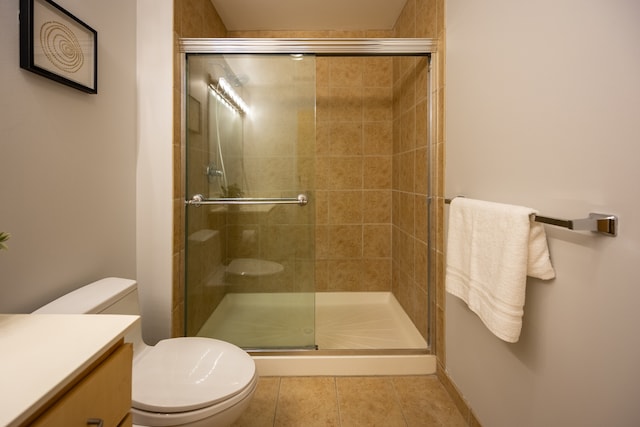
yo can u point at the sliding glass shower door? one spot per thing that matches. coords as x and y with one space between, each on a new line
250 214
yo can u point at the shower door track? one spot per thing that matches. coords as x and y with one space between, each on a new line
335 352
317 46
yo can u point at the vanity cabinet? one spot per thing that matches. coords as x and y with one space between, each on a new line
101 397
65 370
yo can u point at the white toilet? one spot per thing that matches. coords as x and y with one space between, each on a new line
194 382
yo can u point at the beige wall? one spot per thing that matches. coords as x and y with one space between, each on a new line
67 164
154 164
542 111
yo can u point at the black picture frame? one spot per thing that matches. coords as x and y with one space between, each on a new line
57 45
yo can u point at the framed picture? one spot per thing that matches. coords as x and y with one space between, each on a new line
57 45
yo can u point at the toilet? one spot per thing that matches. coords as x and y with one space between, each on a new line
191 382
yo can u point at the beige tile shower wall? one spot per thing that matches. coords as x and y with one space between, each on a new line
353 161
411 172
278 160
202 296
353 175
410 179
371 166
192 18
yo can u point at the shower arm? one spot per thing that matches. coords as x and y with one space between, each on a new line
198 200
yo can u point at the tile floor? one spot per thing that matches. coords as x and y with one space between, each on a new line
351 401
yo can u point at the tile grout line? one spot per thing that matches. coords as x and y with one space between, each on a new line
335 386
399 400
275 411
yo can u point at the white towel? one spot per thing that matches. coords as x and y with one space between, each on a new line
491 248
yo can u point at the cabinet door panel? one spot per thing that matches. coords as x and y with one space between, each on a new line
105 393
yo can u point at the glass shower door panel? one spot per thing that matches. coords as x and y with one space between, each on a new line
250 266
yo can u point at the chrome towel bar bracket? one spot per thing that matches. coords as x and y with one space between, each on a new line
598 223
199 200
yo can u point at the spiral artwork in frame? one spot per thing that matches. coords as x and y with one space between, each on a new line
57 45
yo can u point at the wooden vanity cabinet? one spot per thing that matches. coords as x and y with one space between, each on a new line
101 394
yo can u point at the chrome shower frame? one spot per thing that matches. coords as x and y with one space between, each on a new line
320 47
342 47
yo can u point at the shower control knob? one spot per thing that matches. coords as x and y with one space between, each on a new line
212 170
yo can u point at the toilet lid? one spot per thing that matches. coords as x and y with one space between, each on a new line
185 374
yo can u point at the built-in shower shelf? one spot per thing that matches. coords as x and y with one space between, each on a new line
253 267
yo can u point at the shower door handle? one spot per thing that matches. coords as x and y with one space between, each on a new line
198 200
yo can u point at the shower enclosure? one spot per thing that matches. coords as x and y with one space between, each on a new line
307 193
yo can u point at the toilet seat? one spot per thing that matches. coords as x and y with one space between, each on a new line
179 375
225 412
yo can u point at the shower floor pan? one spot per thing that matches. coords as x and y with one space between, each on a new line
356 333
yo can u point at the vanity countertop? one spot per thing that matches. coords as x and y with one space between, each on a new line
41 353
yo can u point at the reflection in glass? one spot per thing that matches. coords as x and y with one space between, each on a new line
250 268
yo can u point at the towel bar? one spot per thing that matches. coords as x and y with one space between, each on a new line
198 200
595 222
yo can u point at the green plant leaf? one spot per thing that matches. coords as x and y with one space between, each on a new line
3 238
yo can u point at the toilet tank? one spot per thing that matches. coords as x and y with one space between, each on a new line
107 296
112 295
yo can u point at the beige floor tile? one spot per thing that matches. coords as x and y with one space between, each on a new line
308 402
351 401
368 401
425 402
262 409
